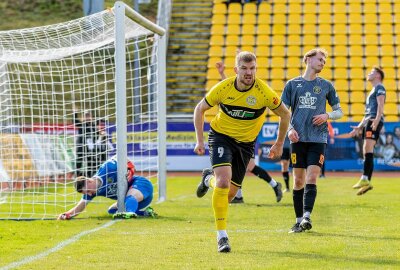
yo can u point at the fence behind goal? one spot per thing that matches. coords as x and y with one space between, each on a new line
59 79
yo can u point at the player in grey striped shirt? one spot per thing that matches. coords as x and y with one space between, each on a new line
370 126
307 96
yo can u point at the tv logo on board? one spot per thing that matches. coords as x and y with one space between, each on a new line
269 131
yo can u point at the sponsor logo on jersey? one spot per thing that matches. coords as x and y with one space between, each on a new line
251 100
307 101
275 100
241 114
231 98
299 85
317 90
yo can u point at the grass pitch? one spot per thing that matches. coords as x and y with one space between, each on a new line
349 232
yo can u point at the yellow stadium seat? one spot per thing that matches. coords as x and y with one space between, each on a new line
294 39
309 7
344 97
233 29
248 29
277 84
370 7
216 51
355 18
250 8
371 60
397 39
294 61
277 62
310 40
356 50
385 8
232 40
371 28
325 29
357 97
339 28
324 9
293 50
217 40
212 74
357 84
293 72
386 19
339 8
234 18
326 73
341 85
396 9
324 40
309 29
390 85
307 48
218 29
340 18
219 8
263 40
391 95
355 39
249 19
278 50
229 61
355 29
344 106
340 50
341 73
390 74
277 73
230 72
385 27
279 18
235 8
264 19
218 19
248 40
370 18
263 51
392 118
371 50
294 29
231 50
264 8
340 39
278 40
294 8
387 50
263 29
386 39
390 109
294 19
279 8
354 8
356 61
278 29
371 39
211 83
262 73
357 109
262 62
214 59
248 48
310 18
341 61
356 118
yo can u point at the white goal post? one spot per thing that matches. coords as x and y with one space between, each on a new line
72 95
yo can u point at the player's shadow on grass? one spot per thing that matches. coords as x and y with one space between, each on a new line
269 205
326 257
370 237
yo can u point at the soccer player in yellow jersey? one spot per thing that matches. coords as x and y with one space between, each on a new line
242 101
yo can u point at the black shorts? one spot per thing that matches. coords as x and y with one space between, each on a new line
285 153
226 151
368 133
305 154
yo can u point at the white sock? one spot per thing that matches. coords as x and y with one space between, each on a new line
364 177
239 193
272 183
299 219
307 214
221 233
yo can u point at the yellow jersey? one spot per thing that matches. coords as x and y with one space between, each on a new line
241 114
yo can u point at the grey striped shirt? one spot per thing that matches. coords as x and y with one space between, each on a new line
307 99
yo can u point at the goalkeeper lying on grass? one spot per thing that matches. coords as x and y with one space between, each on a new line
104 183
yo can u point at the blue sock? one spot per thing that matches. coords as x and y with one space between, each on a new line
131 204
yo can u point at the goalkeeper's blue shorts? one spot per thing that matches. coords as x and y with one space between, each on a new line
146 188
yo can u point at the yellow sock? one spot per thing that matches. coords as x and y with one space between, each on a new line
220 206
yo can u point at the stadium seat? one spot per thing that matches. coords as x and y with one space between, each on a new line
279 7
343 105
324 40
212 74
355 30
391 118
235 8
229 61
217 40
357 109
234 18
309 7
357 118
371 50
357 97
324 9
293 50
390 109
211 83
340 39
219 8
277 84
354 8
357 73
356 61
218 19
355 39
309 29
386 19
325 29
386 50
340 18
232 40
247 40
371 28
339 8
355 18
370 18
369 7
310 19
339 28
277 62
263 40
386 39
249 48
250 8
262 73
277 73
385 27
279 18
340 61
293 29
294 8
371 60
262 62
278 29
340 50
356 50
278 40
218 29
264 8
294 19
248 29
357 84
264 19
278 50
390 74
391 95
263 29
341 85
249 19
293 72
310 40
231 50
341 73
212 60
391 85
344 97
263 51
233 29
216 50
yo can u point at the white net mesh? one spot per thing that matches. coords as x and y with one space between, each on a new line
57 110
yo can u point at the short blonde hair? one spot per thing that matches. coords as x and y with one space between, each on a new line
314 52
246 57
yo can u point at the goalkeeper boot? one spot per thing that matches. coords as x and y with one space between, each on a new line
296 228
223 245
125 215
306 224
364 190
202 188
149 212
362 183
278 191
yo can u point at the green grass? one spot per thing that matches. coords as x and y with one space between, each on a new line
350 232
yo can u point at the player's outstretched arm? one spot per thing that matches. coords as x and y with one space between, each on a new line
73 211
198 120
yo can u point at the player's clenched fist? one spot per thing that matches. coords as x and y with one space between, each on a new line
199 149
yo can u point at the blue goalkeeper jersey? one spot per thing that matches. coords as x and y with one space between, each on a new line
107 173
307 99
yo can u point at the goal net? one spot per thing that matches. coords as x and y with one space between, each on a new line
58 109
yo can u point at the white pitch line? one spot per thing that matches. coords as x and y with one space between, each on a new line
60 246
